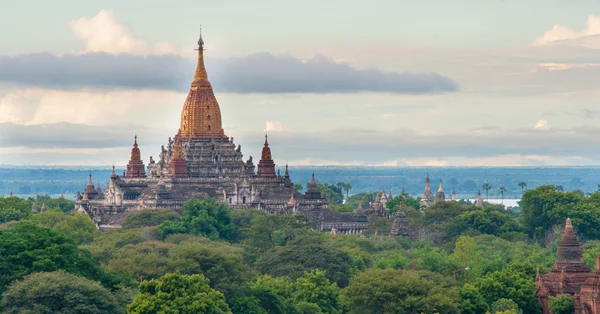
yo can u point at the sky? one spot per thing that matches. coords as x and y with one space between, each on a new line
390 83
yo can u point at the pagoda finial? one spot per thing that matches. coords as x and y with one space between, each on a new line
135 144
312 181
266 139
287 173
440 189
200 41
90 183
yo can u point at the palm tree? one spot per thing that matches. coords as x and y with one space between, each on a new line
522 185
486 187
347 187
502 190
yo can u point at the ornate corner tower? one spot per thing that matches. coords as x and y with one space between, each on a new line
135 167
201 115
266 166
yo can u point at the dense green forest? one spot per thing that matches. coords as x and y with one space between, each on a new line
462 259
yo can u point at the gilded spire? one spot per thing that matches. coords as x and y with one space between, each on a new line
440 189
201 115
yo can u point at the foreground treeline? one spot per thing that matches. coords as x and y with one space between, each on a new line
212 260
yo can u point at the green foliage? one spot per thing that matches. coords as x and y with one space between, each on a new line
471 301
314 288
342 208
298 187
176 293
400 291
268 231
78 227
204 217
561 304
26 248
539 208
365 198
60 204
391 259
407 202
149 217
505 305
378 225
304 254
220 263
515 282
333 193
58 292
488 221
14 208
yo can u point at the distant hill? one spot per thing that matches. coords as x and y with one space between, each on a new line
67 180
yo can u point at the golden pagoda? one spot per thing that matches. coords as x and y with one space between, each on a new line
201 115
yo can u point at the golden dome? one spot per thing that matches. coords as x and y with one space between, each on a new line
201 115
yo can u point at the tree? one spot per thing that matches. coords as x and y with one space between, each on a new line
345 187
78 226
176 293
488 221
561 304
204 217
28 248
514 282
58 292
471 301
486 187
400 291
504 305
298 187
149 217
316 289
304 254
502 191
522 185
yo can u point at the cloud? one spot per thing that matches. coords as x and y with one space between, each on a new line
561 34
338 146
258 73
104 33
275 126
39 106
542 125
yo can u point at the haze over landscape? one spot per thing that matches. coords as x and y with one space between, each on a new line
392 84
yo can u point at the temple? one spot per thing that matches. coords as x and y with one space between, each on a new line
570 275
201 160
428 198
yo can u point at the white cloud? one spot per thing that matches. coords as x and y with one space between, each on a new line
542 125
104 33
562 33
275 126
38 106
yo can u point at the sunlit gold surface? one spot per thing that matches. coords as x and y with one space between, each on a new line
201 115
